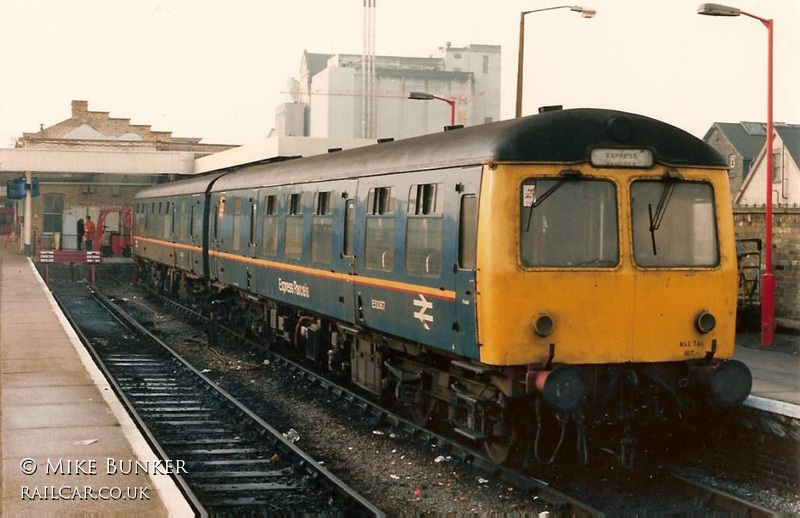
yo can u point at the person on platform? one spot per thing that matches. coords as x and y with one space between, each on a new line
89 228
81 232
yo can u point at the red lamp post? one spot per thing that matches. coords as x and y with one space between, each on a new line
767 279
422 96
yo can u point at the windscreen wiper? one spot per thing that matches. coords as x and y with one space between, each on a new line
661 209
544 196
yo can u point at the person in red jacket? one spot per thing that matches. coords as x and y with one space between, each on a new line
89 228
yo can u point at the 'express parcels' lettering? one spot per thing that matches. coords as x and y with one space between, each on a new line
293 288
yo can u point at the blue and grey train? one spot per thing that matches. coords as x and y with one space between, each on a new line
559 266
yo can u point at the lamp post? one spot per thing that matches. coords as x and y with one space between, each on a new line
767 279
585 13
422 96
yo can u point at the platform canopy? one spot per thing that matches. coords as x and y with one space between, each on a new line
127 162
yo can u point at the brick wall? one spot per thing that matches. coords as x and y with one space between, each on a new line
749 223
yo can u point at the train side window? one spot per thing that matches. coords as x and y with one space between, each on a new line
424 230
269 226
237 222
182 221
293 244
191 223
322 228
380 201
253 215
146 218
379 238
349 224
167 222
425 199
468 232
220 213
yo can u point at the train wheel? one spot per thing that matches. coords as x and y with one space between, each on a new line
421 410
499 448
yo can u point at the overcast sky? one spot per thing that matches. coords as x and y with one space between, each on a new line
217 70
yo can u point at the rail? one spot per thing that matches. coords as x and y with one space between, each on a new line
303 468
560 501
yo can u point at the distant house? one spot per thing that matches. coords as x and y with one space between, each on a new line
785 174
739 143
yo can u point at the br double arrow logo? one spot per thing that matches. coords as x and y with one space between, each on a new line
422 315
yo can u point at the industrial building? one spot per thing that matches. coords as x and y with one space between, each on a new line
328 98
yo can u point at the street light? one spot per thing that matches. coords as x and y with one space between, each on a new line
422 96
585 13
768 279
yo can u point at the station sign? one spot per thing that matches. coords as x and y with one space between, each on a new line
15 189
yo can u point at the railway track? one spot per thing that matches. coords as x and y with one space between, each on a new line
234 460
475 460
711 496
706 496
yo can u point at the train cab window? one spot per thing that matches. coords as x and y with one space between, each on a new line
379 238
674 224
468 232
293 244
424 230
349 224
237 222
568 222
322 228
269 226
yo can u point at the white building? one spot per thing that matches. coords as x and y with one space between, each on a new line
327 98
785 174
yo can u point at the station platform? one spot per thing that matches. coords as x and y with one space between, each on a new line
776 375
55 406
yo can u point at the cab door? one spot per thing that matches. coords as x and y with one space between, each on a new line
464 279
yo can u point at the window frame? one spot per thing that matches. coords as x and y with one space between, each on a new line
322 209
295 210
271 212
53 196
638 266
375 209
556 177
422 196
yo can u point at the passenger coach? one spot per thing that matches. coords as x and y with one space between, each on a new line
583 259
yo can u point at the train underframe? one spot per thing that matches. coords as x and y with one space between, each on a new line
534 414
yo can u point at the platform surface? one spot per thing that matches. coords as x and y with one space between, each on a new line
776 377
52 408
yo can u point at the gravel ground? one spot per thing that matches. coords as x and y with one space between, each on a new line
396 475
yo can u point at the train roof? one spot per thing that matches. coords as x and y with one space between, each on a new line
562 136
195 185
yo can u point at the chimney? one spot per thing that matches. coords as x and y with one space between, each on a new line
79 108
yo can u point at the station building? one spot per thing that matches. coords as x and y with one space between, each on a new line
91 161
326 99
